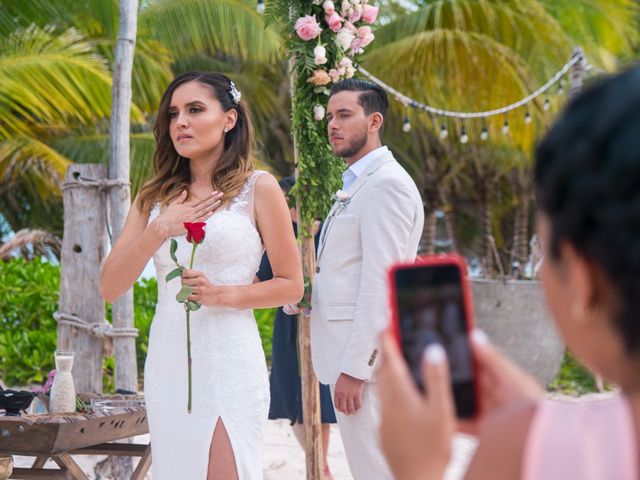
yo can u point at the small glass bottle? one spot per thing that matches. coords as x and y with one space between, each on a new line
63 393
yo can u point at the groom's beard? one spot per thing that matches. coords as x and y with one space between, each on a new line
354 146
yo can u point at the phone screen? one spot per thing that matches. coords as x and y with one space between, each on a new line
431 310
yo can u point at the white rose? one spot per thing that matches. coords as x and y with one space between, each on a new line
345 38
329 7
320 54
318 112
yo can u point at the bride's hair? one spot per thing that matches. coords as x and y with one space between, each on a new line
171 171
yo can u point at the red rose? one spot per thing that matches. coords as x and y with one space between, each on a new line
195 232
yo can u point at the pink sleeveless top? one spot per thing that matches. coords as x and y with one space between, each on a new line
582 441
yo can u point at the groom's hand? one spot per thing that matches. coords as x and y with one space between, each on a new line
348 394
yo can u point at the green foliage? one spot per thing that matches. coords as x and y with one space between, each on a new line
265 318
28 298
573 378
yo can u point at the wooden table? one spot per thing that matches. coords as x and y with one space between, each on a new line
58 436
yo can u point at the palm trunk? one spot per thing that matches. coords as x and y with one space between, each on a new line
120 197
487 234
428 239
520 248
450 226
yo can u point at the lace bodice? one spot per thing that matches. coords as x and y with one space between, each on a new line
232 248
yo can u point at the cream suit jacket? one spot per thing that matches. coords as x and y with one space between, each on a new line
379 225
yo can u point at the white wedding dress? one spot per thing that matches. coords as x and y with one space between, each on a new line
230 380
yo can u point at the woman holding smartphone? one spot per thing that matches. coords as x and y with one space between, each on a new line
587 175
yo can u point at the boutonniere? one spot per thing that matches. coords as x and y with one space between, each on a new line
342 198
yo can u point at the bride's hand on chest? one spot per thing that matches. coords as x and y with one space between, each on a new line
181 210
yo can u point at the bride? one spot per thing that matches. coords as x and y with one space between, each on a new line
203 172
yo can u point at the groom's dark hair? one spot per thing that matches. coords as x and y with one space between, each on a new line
372 99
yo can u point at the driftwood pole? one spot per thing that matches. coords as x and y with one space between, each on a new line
120 196
310 386
83 249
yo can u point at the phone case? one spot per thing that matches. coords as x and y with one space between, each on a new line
449 259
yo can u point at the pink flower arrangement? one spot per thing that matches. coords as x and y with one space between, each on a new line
334 21
307 28
332 58
369 13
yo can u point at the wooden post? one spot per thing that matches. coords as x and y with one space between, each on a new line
83 249
310 387
120 197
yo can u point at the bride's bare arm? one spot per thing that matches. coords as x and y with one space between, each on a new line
138 241
274 224
135 246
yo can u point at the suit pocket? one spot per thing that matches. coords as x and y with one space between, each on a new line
345 219
340 311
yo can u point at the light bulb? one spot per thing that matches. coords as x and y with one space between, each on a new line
485 134
406 125
547 104
464 138
505 127
260 7
527 118
443 132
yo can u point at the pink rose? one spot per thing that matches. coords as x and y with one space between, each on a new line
356 14
356 46
329 7
369 13
307 28
333 74
345 62
319 77
366 36
334 21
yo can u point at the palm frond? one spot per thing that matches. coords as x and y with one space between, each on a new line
30 244
220 28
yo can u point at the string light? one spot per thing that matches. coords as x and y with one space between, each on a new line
505 127
527 118
464 138
547 105
443 132
575 58
406 125
260 7
484 135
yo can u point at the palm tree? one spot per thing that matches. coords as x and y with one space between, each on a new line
56 60
474 55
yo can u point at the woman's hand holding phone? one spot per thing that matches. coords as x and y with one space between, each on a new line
500 383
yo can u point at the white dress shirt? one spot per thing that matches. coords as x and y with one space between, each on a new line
354 171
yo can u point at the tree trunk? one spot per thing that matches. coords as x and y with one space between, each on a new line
428 239
520 247
83 249
119 167
124 347
487 234
450 226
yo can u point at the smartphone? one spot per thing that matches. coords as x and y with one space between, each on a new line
431 303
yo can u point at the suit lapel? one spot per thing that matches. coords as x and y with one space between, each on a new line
383 158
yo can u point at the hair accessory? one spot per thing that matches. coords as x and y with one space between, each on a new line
235 93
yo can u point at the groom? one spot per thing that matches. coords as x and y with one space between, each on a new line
376 221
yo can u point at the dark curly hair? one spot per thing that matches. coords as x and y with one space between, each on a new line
587 175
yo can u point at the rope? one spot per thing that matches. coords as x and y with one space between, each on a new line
101 185
100 330
576 57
